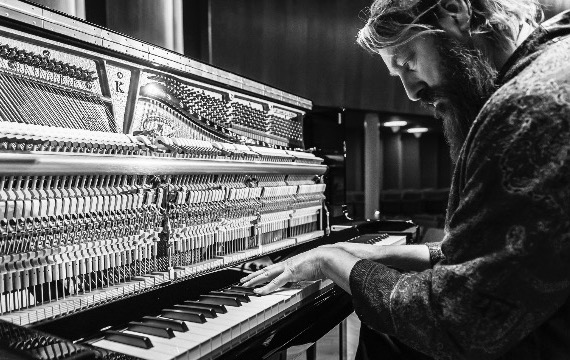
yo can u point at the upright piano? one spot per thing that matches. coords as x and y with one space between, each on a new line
135 184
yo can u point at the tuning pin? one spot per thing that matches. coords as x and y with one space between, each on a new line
57 67
4 50
20 56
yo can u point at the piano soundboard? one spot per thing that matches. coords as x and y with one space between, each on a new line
130 174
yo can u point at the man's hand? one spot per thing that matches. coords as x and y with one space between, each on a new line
305 266
320 263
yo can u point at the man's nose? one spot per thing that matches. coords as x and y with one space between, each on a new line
413 86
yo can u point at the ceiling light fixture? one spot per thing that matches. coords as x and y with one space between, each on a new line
417 131
395 125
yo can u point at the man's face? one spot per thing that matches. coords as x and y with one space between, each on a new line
449 76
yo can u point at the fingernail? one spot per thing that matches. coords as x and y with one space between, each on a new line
257 291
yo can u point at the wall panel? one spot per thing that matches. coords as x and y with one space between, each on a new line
305 47
153 21
429 160
411 157
392 169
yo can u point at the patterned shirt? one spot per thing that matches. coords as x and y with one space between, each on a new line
501 288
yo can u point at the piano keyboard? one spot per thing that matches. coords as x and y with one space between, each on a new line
381 239
209 326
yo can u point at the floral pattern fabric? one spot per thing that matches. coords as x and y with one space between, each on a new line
501 288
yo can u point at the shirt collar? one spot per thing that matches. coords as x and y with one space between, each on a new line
531 44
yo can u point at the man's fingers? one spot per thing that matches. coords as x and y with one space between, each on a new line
254 274
275 284
260 276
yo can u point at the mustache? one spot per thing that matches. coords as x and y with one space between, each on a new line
431 95
439 95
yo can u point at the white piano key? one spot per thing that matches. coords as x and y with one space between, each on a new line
177 346
216 333
231 322
262 306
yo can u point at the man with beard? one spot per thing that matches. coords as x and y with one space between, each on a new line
498 284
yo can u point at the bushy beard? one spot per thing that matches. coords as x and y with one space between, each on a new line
468 82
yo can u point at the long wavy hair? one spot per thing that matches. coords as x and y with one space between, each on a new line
395 22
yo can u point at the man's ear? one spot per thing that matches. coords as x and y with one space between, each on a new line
455 17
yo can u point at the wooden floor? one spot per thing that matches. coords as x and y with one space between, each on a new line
328 346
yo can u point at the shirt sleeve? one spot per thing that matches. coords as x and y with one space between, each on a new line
435 253
507 245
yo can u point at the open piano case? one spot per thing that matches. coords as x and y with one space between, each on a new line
133 182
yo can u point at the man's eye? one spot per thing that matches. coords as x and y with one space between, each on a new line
408 64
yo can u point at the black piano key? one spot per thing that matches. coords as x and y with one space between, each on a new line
177 314
220 300
209 313
220 309
241 296
128 339
243 289
166 323
151 329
